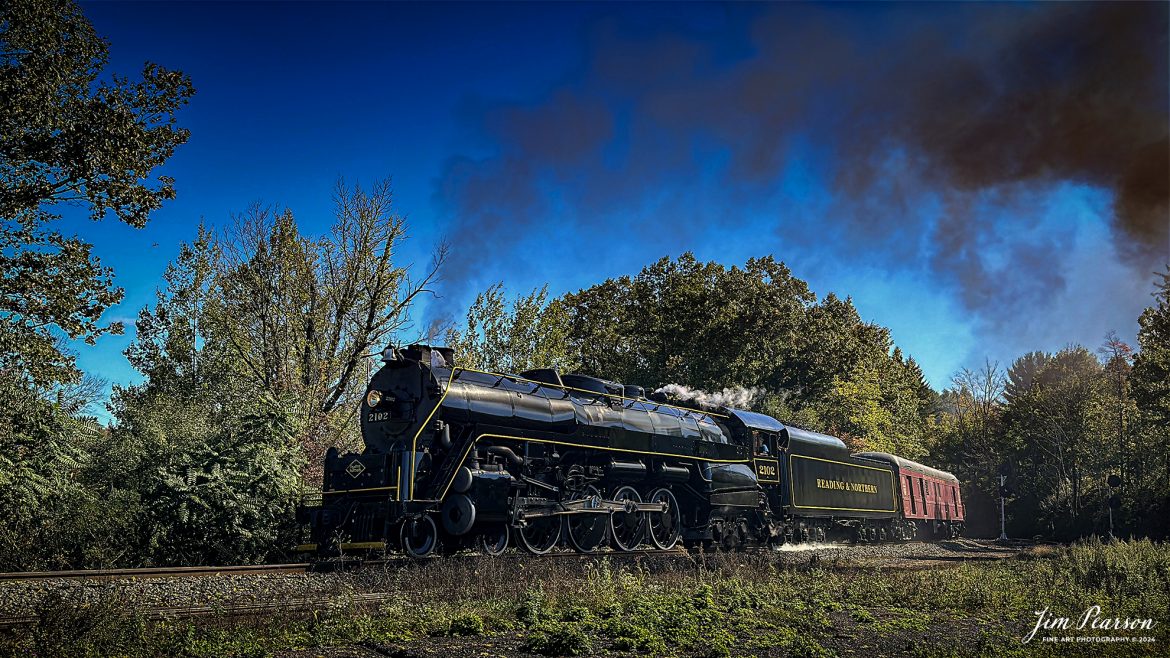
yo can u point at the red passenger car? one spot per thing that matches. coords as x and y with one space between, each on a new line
931 502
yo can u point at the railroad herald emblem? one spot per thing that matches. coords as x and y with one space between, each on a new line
355 468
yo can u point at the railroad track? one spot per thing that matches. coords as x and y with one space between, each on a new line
154 572
286 605
353 561
358 562
306 604
300 567
230 610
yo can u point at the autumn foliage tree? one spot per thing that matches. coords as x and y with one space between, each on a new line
69 135
302 317
530 331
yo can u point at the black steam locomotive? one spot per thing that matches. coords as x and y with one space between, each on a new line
458 458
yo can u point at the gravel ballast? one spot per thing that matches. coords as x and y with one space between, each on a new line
21 598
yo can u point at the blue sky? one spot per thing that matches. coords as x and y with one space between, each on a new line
568 143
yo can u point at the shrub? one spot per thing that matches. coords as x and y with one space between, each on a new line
467 624
68 629
631 637
563 639
532 609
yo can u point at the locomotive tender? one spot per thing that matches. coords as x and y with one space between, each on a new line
458 458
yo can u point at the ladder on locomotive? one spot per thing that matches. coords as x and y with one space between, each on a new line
444 476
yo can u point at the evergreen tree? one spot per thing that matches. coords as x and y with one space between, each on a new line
1150 391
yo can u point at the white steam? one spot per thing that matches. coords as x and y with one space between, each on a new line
737 396
806 546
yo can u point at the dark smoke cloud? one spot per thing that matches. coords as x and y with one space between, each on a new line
941 130
1074 93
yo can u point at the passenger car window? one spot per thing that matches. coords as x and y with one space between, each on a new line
910 486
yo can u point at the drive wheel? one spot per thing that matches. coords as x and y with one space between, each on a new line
627 527
665 526
494 541
419 537
586 531
541 534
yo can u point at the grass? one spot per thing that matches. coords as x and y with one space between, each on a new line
715 606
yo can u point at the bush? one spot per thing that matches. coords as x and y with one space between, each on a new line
467 624
69 629
630 637
563 639
532 609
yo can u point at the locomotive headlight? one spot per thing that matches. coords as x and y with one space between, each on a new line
374 398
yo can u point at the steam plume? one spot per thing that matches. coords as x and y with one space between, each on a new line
737 397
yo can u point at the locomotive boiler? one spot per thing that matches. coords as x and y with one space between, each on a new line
457 458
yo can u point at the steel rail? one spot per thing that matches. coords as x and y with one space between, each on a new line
354 560
295 604
231 610
301 567
154 572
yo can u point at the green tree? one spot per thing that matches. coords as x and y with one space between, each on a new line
1151 365
874 411
216 456
302 318
1024 374
37 468
1150 390
229 499
253 356
66 135
972 411
1063 435
169 338
756 326
55 517
970 439
687 322
530 333
188 392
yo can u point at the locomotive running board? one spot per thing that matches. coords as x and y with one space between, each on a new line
587 506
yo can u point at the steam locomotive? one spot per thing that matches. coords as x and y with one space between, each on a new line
457 458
